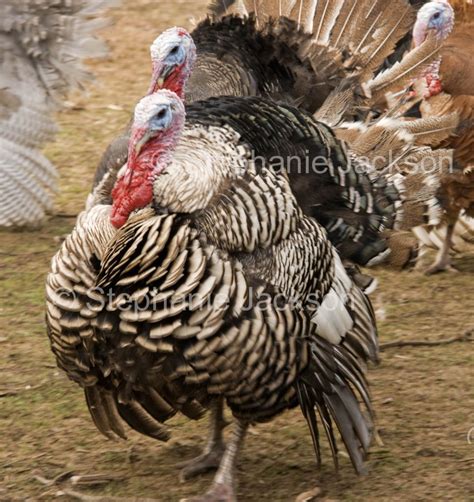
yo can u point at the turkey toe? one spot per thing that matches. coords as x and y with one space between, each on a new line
206 462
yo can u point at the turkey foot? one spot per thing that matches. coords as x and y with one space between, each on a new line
214 450
223 488
218 493
443 261
208 461
444 266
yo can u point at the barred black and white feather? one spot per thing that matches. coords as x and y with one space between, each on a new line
240 296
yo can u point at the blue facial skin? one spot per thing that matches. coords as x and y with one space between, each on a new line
176 55
440 20
161 119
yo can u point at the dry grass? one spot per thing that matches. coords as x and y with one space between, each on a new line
423 396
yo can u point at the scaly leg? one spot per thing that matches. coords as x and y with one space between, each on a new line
211 457
223 487
443 261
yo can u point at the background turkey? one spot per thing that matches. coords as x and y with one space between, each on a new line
247 299
451 89
42 45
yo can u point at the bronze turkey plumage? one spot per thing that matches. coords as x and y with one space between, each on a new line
206 282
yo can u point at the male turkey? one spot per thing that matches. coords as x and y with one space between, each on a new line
206 282
355 206
42 44
451 89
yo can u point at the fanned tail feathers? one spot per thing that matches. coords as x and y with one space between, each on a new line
220 8
366 29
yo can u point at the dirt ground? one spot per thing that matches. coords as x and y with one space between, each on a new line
423 395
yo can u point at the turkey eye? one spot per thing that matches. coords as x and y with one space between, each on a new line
436 15
174 51
161 114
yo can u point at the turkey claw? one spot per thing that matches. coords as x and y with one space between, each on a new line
206 462
437 268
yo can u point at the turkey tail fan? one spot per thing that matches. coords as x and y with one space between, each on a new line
104 413
220 8
375 34
316 17
368 30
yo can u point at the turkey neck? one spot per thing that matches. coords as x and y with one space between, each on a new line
135 189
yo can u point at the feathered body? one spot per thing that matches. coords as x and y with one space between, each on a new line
222 289
42 44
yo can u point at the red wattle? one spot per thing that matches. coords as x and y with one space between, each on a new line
174 82
133 191
434 85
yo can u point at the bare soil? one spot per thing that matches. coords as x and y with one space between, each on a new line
423 395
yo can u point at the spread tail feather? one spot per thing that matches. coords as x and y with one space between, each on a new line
368 30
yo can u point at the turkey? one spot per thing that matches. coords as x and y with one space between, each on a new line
342 201
204 282
42 44
450 89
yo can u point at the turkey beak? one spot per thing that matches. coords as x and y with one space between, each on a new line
161 76
142 142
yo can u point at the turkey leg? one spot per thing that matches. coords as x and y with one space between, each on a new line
223 487
211 457
443 261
